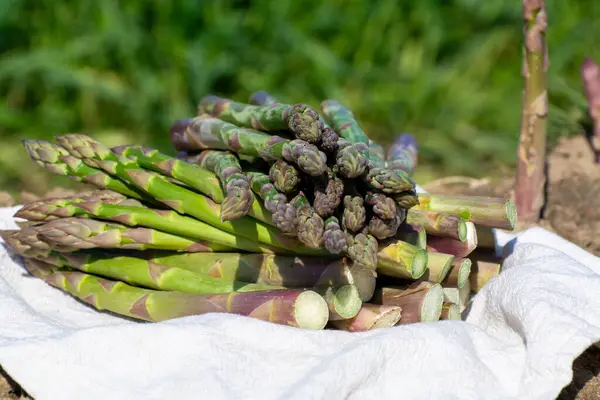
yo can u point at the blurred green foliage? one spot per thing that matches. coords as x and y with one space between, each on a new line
447 71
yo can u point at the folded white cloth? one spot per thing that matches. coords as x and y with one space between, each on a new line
523 332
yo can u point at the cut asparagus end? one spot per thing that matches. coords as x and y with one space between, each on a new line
347 301
431 308
464 271
311 311
390 316
438 266
462 231
402 260
370 316
450 311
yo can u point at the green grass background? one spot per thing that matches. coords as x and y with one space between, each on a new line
447 71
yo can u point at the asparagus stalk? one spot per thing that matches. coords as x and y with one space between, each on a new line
439 223
385 228
178 198
262 186
81 233
383 206
483 271
343 301
531 154
412 234
349 159
132 215
376 154
342 120
304 309
362 249
58 161
310 225
370 316
459 272
487 211
205 132
590 74
300 119
285 176
403 154
438 267
354 214
420 301
150 274
402 260
328 191
333 236
27 242
486 238
262 98
453 246
450 311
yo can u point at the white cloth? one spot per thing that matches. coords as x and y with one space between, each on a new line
519 340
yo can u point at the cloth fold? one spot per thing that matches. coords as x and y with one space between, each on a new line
518 341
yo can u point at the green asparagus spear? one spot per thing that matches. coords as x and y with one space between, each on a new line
349 159
285 176
383 206
403 154
439 224
401 260
178 198
333 236
302 120
262 186
205 132
310 225
138 215
376 154
304 309
388 181
328 191
27 242
58 161
342 120
354 215
84 233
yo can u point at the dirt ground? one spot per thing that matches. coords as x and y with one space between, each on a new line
572 210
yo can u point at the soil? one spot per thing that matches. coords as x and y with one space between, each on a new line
572 210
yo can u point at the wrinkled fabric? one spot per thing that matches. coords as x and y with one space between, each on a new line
520 336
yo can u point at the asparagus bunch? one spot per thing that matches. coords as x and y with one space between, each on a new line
270 210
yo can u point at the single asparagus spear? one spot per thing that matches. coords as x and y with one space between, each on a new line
406 199
227 167
420 301
459 272
349 159
285 176
488 211
205 132
354 214
84 233
383 206
531 154
412 234
376 154
385 228
362 249
150 274
310 226
453 246
58 161
262 186
401 260
370 316
403 154
388 181
301 119
304 309
262 98
590 74
328 191
450 311
178 198
439 223
138 215
333 236
27 242
342 120
438 267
